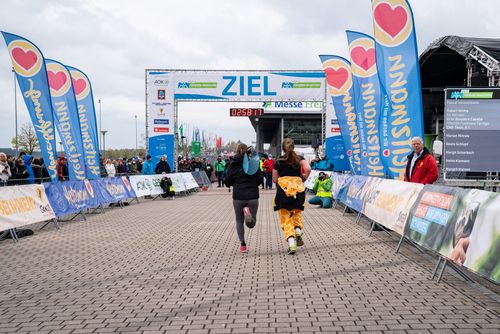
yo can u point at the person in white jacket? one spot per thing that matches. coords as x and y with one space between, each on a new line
110 168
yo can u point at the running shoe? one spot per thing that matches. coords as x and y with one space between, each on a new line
243 249
292 249
248 218
300 242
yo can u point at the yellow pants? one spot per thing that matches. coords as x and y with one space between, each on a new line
289 220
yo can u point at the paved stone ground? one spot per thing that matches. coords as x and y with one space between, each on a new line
173 267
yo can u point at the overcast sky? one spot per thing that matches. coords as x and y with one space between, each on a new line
115 41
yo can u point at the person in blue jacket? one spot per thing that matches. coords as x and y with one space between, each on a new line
147 166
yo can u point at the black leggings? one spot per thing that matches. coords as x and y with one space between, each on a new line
253 205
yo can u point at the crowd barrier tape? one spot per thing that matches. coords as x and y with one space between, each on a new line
24 205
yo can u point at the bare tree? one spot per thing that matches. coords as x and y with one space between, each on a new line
26 139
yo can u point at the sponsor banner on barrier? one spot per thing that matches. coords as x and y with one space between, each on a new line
146 185
370 186
71 197
23 205
309 183
149 185
462 225
354 195
338 183
189 181
114 189
390 203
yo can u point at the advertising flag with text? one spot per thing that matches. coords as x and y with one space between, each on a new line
399 73
66 117
367 95
339 82
88 124
29 66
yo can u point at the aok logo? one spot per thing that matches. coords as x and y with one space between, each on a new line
363 58
161 82
26 58
392 21
59 79
338 76
457 94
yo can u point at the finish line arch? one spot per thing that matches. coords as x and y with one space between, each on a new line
164 88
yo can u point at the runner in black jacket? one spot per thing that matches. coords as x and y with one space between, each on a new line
245 194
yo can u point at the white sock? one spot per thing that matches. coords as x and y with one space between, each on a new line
298 230
291 241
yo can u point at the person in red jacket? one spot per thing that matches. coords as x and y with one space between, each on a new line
421 166
268 166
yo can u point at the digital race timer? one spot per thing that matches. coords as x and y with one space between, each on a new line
246 112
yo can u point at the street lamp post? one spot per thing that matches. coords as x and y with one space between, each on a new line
15 110
136 132
103 132
100 116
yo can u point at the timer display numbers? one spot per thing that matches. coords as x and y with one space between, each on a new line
246 112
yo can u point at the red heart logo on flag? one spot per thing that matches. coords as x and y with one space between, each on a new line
57 80
336 78
391 20
79 85
25 59
363 58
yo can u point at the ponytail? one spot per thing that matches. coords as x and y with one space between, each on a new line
290 157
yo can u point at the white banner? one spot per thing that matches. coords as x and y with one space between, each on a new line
23 205
149 185
189 181
390 203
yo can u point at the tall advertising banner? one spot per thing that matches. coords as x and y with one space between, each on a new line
66 117
339 81
367 95
29 65
399 73
334 144
160 116
88 124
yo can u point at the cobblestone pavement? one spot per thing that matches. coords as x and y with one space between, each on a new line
173 267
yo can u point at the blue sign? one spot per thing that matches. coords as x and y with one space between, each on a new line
339 80
66 117
29 66
88 124
354 195
70 197
367 99
399 73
